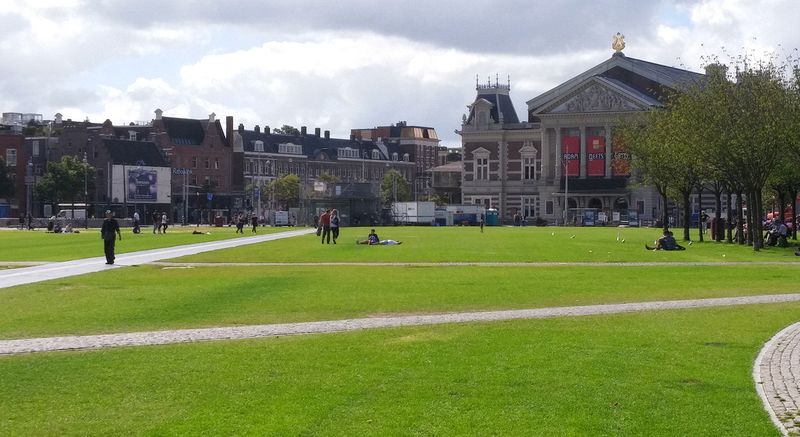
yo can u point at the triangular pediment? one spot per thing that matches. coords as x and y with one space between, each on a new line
480 151
595 95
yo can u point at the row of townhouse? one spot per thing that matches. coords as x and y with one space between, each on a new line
196 169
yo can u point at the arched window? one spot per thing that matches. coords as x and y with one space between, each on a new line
376 154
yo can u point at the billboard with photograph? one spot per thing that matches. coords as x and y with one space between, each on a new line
140 184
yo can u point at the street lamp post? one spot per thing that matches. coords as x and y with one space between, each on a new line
85 193
29 187
566 194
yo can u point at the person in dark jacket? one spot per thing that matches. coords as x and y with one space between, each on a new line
109 233
334 224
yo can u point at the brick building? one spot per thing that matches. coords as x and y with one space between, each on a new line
562 163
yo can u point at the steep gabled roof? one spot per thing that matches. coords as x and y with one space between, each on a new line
645 78
184 131
134 153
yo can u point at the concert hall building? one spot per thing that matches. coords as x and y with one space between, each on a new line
564 153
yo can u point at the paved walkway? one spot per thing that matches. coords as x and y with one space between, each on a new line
777 376
29 275
9 347
480 264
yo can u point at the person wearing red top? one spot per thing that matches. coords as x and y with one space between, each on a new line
325 222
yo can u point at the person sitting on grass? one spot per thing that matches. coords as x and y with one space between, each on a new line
666 242
373 240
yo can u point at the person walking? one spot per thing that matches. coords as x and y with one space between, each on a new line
156 221
109 233
325 222
335 224
164 223
254 222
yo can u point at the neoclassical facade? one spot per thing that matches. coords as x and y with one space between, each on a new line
563 162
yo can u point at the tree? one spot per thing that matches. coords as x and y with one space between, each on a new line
286 130
64 181
6 183
285 190
394 187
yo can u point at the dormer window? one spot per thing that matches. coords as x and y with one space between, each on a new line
132 135
258 146
406 157
394 156
290 149
347 152
376 154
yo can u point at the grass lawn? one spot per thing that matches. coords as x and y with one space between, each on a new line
153 297
662 373
41 246
496 244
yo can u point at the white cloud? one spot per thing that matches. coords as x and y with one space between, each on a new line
355 65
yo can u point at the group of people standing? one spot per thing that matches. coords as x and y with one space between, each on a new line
160 222
242 220
328 226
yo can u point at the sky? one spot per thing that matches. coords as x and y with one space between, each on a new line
346 64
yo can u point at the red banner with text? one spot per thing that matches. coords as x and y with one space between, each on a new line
621 159
596 156
571 148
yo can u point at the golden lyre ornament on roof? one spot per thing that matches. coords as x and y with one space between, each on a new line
618 44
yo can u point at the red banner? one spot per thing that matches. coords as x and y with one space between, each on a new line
596 156
621 159
571 149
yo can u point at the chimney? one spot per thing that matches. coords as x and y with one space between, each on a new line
241 127
257 129
212 118
303 130
58 118
229 130
316 131
267 131
327 134
158 114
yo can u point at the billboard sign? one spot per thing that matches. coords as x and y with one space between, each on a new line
596 162
142 185
571 147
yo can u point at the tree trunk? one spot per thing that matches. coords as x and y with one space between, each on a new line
793 202
664 210
719 228
750 225
758 237
700 223
687 214
728 216
740 237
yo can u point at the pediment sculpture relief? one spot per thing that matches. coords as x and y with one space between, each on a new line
596 98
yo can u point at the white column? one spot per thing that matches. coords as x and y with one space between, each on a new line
544 151
583 153
608 151
559 155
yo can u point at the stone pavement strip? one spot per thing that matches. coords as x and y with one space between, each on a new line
10 347
777 376
29 275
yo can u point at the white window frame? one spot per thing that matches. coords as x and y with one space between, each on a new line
530 206
482 168
376 154
11 157
258 146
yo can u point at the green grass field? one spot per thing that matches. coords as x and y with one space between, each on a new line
659 373
663 373
40 246
153 297
500 244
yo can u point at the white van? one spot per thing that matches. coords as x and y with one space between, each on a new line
68 214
